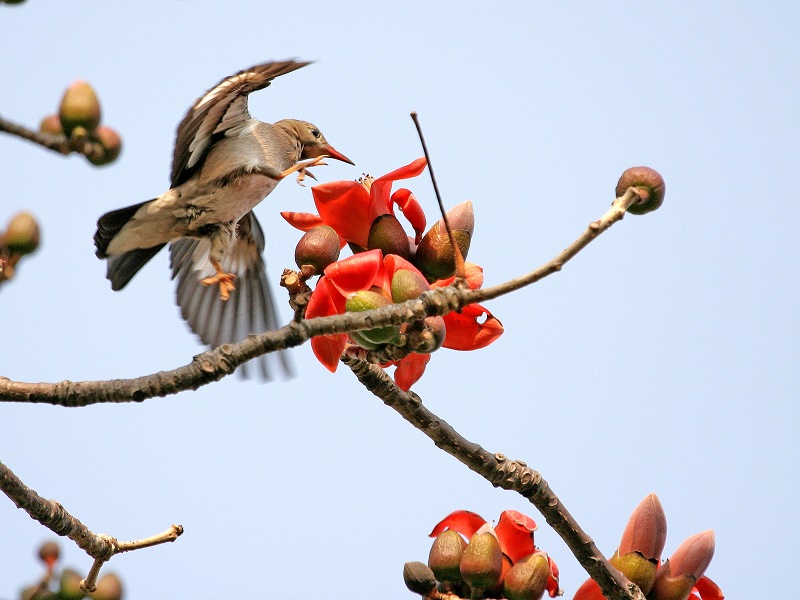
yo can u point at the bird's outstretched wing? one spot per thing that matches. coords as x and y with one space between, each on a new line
222 110
250 308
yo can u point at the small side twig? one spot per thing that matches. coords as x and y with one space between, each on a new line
56 143
52 515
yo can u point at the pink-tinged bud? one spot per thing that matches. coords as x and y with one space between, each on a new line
108 588
650 185
22 235
51 124
419 578
527 580
48 553
646 531
368 300
79 108
407 285
462 217
110 146
445 556
318 248
482 562
435 256
387 234
636 568
677 576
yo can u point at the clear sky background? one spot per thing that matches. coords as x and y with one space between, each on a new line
663 359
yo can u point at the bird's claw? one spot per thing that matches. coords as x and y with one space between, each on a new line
225 281
302 168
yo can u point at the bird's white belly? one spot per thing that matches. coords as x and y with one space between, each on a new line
230 202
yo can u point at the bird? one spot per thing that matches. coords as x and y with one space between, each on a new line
225 162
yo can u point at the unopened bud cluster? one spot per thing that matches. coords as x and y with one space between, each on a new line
78 119
20 238
649 186
67 584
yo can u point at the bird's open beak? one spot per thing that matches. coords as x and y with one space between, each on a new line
334 153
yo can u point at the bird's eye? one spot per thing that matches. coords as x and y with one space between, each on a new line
315 133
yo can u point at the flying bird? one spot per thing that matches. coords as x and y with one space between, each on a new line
225 162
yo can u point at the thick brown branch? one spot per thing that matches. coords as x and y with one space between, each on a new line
215 364
500 471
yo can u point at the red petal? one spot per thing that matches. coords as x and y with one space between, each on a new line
412 211
708 590
410 369
473 275
302 221
326 302
465 332
394 263
328 349
463 521
379 191
553 588
354 273
344 205
515 532
588 591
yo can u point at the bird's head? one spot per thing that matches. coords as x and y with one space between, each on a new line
312 142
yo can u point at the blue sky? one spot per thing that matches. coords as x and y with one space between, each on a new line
662 359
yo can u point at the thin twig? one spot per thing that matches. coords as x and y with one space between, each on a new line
500 471
56 143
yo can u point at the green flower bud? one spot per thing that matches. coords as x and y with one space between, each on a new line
527 580
407 285
22 235
435 256
445 556
368 300
109 587
79 108
70 585
636 568
482 562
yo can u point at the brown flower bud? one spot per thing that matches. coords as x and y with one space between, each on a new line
110 146
387 234
419 578
79 108
48 553
22 235
318 248
435 256
109 587
649 184
527 580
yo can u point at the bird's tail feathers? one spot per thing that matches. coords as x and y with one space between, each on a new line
123 267
110 224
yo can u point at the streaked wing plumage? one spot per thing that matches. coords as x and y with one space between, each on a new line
222 110
250 308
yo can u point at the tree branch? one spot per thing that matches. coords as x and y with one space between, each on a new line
500 471
52 515
217 363
56 143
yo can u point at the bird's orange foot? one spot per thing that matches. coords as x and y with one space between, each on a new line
302 168
225 281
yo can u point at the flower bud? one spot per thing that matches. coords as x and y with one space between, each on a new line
431 337
419 578
435 256
387 234
51 124
70 585
646 531
110 145
48 553
367 300
482 561
527 580
650 185
109 587
677 576
22 235
407 285
319 247
445 556
79 108
636 568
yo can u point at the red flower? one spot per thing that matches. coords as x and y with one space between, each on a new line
514 531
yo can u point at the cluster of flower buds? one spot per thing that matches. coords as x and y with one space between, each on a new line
109 586
388 267
471 559
78 119
20 238
638 558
